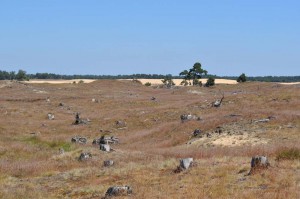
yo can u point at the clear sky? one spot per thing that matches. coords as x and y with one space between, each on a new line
110 37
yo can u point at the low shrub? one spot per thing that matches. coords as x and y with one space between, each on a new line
288 154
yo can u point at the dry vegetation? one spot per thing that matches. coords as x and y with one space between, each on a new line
153 141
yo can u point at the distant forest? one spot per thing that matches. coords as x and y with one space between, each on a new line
21 75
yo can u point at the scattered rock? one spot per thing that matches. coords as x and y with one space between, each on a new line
106 140
184 164
218 103
104 147
197 132
78 120
187 117
50 116
120 124
78 139
262 120
61 151
84 156
258 163
118 191
108 163
95 100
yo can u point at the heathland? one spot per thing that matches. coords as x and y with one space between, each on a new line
255 118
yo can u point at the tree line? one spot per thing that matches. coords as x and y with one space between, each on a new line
191 74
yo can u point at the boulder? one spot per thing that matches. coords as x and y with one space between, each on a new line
106 140
95 100
104 147
78 120
186 163
84 156
187 117
118 191
108 163
259 162
50 116
79 139
120 124
197 132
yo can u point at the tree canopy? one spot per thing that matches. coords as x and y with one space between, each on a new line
195 73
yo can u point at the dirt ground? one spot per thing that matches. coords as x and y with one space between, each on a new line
254 119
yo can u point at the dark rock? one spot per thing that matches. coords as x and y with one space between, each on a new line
78 139
197 132
106 140
108 163
84 156
119 191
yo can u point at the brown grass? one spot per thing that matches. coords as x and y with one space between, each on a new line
152 143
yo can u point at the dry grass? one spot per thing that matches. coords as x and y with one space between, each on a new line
152 143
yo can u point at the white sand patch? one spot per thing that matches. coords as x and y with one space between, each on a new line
178 81
290 83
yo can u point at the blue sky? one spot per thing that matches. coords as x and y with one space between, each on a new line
228 37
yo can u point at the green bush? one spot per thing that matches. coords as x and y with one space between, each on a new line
210 82
242 78
147 84
288 154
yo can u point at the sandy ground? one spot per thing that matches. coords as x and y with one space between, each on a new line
152 81
178 81
290 83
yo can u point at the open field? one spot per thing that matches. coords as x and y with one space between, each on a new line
152 141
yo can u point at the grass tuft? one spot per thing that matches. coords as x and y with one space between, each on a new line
288 154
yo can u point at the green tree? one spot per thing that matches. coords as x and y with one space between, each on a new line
242 78
210 82
168 81
194 74
21 75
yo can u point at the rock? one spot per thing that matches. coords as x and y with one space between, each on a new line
106 140
108 163
104 147
119 191
61 151
50 116
186 163
78 120
61 104
78 139
120 124
197 132
262 120
259 162
84 156
47 99
187 117
153 98
95 100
